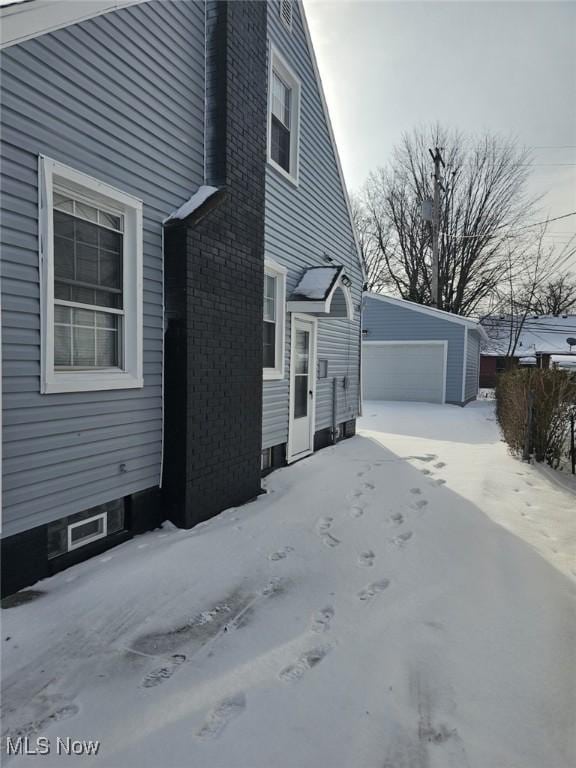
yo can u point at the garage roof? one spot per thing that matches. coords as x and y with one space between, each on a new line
474 325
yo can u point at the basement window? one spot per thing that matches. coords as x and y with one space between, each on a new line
86 531
78 530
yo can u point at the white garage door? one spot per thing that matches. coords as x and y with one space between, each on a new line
404 371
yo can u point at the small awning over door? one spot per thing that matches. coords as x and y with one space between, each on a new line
323 292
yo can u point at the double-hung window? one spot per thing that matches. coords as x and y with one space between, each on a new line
273 320
284 117
91 268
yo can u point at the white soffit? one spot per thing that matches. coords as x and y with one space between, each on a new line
24 21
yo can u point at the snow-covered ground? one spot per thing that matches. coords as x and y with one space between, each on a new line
405 599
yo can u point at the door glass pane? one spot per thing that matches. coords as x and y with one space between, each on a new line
302 352
300 396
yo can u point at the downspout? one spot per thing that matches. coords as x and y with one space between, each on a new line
164 327
334 409
360 350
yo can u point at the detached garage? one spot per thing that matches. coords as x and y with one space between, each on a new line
412 352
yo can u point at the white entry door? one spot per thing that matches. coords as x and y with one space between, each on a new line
302 388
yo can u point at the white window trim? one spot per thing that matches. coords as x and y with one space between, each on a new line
277 62
51 173
88 539
279 272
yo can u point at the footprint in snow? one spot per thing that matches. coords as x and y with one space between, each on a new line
356 511
219 717
322 619
159 675
440 482
356 494
306 661
440 464
425 471
280 554
415 491
397 518
420 504
33 727
329 540
366 559
372 590
401 539
324 524
368 486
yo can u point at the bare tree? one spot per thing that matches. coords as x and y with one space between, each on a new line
483 203
525 292
557 296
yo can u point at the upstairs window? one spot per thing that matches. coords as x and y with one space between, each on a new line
284 117
91 269
273 320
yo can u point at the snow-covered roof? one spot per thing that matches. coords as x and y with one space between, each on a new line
315 290
442 314
197 200
545 334
316 283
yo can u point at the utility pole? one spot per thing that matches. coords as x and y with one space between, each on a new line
437 158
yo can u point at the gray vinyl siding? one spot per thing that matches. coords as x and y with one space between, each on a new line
472 365
302 223
384 321
121 98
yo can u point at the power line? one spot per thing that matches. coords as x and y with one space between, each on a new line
518 229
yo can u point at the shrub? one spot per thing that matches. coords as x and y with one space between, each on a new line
554 396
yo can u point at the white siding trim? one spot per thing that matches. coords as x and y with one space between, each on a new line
28 20
427 342
313 368
464 364
131 375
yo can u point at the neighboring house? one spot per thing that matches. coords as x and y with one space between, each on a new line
542 341
142 196
413 352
